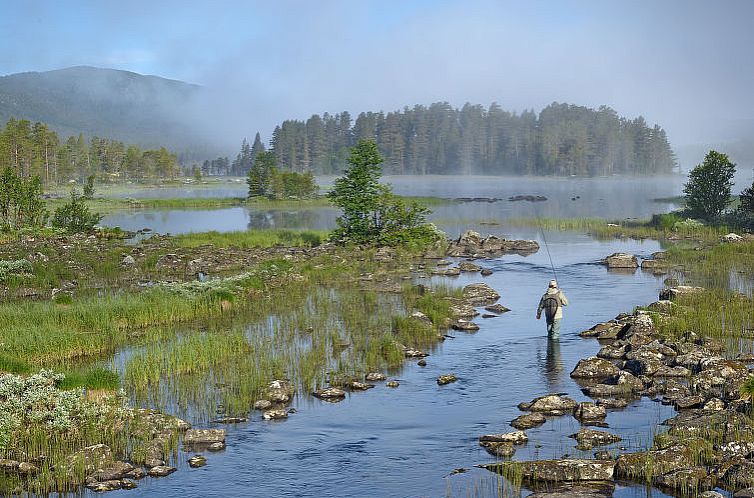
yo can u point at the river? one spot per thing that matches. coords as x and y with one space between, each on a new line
404 442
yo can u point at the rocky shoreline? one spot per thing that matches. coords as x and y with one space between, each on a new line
708 445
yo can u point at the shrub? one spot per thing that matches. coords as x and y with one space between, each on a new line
21 205
707 193
11 268
75 216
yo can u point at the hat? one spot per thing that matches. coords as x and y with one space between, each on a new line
553 284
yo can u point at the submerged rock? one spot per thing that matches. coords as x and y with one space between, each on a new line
446 379
197 461
392 383
528 421
486 272
497 308
498 449
465 326
466 266
586 490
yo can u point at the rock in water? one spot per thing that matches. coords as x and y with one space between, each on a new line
446 379
517 437
197 461
466 266
589 438
204 436
594 368
528 421
589 412
375 377
566 470
621 260
471 244
161 471
480 294
497 308
498 449
392 383
551 404
330 394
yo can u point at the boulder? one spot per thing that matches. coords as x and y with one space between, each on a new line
471 244
681 290
279 391
262 404
275 414
486 272
128 260
589 438
611 403
551 404
558 471
686 479
589 412
634 466
414 353
330 394
612 352
517 437
621 260
203 436
216 447
480 294
161 471
111 485
465 326
197 461
528 421
731 238
466 266
375 377
594 368
359 386
112 472
392 383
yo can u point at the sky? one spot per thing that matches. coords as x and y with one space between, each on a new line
685 64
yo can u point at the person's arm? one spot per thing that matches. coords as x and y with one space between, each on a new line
539 308
563 299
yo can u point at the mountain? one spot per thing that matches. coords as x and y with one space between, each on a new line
135 108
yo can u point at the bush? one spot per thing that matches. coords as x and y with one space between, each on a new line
708 190
75 217
14 268
21 205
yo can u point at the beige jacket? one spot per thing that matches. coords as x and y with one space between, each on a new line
561 298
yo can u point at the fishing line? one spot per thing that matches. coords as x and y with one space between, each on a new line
544 239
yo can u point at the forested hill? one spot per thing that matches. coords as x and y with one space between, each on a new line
562 140
102 102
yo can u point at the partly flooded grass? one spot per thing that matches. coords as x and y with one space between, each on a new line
310 335
252 238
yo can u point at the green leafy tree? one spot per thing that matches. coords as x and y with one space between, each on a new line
708 190
75 216
371 213
21 205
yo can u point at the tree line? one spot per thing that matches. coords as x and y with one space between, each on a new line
563 139
36 150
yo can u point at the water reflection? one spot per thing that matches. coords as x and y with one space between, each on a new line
553 363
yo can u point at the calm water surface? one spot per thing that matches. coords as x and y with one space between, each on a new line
405 441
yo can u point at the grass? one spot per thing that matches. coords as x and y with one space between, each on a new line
252 238
661 227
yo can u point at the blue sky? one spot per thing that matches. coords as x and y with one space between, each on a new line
686 64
